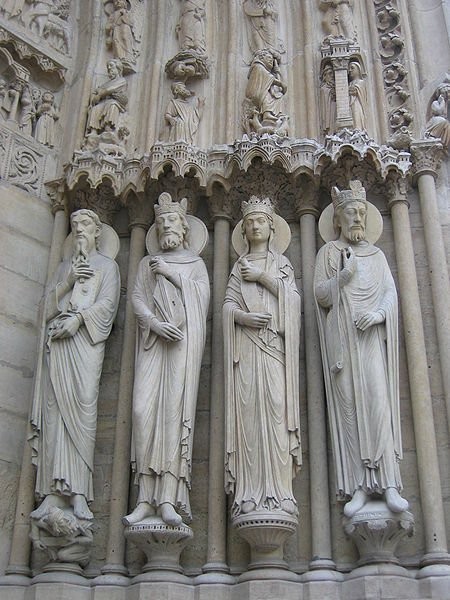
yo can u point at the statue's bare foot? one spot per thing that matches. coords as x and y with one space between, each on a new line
248 506
80 508
394 501
288 506
356 503
43 508
169 515
141 512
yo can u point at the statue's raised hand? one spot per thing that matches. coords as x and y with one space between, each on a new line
248 271
253 319
159 267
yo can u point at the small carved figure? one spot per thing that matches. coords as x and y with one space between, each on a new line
183 114
190 29
27 112
328 100
57 28
261 315
358 96
80 308
46 115
170 299
356 305
264 94
263 21
439 126
120 33
63 536
37 16
12 8
11 95
338 18
108 101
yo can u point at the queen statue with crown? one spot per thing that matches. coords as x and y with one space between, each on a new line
358 325
261 331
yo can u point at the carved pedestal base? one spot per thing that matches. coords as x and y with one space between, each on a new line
266 533
162 545
376 532
61 572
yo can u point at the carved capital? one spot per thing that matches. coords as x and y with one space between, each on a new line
307 202
140 211
340 63
427 157
101 200
220 206
55 191
397 190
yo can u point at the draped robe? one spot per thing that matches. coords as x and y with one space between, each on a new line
167 377
360 369
64 416
263 449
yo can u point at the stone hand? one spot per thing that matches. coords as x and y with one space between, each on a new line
38 545
159 267
348 266
66 327
79 271
166 330
249 272
254 319
368 319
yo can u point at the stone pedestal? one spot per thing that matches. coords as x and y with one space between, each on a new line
162 544
376 531
62 572
266 533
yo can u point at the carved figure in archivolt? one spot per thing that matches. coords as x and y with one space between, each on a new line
438 125
12 8
190 29
262 107
263 25
261 315
108 103
183 114
46 115
80 308
358 95
328 100
338 18
170 299
358 324
121 34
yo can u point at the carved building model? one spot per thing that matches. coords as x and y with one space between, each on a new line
225 307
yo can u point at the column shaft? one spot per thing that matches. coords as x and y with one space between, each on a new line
320 510
217 517
427 461
21 544
115 551
438 270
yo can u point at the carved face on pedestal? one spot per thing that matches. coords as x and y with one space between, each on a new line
171 230
350 218
85 231
257 228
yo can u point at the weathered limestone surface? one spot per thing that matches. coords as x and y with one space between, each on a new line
63 49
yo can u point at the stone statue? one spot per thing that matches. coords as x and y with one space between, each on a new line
338 18
263 20
264 96
183 114
108 100
439 126
358 96
261 316
37 16
328 100
357 315
46 115
12 8
190 29
170 299
80 308
120 33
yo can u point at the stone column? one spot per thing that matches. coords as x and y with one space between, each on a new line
427 156
311 84
436 559
18 569
343 113
114 572
216 569
321 566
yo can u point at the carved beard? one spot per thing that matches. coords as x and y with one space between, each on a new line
81 253
169 240
357 234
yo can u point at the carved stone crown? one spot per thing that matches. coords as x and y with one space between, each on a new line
355 193
257 205
165 205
